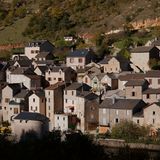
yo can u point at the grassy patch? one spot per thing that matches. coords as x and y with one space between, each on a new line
13 33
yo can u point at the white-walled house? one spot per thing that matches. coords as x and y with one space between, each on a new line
79 58
37 102
60 74
35 47
64 122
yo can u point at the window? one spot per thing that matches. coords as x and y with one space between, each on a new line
42 100
154 112
15 110
10 108
49 79
33 99
60 72
32 51
153 121
72 101
104 111
158 81
31 108
49 114
48 92
58 118
4 108
66 100
6 100
137 121
71 60
63 118
116 120
133 94
150 81
80 60
36 108
65 92
86 80
54 79
148 96
72 93
49 107
59 79
48 99
37 51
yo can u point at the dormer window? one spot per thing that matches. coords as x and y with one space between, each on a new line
60 71
49 72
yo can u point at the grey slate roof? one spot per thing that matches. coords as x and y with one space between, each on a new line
141 49
15 87
42 68
78 86
24 63
79 53
134 76
123 104
138 82
57 68
152 91
153 73
22 94
42 54
31 116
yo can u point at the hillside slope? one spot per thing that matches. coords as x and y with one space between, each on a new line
55 18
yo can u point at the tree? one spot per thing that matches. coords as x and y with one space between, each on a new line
129 131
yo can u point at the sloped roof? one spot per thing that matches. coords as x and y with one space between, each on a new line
141 49
132 76
22 94
153 73
42 54
54 86
152 91
24 63
78 86
137 82
31 116
57 68
79 53
125 104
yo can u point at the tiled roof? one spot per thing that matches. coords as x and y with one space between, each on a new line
78 86
152 91
133 76
54 86
124 104
137 82
79 53
42 54
153 73
31 116
141 49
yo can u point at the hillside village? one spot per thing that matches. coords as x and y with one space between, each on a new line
82 93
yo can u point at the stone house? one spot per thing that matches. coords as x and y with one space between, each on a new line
79 58
134 89
151 115
60 74
32 49
37 102
140 56
29 122
41 70
124 77
65 122
153 77
151 95
115 64
112 111
8 92
54 101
